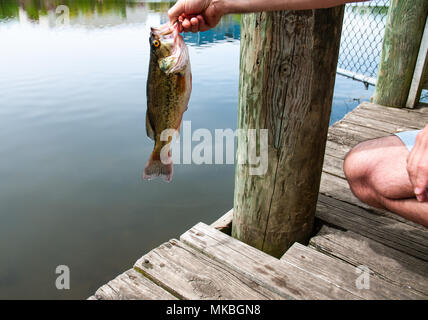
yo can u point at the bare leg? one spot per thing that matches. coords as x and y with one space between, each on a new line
377 174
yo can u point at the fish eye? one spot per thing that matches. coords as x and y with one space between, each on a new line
156 43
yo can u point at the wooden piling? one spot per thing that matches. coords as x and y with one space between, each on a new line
288 68
403 34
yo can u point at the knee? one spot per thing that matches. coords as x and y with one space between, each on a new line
358 169
355 166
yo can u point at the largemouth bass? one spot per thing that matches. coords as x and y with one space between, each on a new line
169 85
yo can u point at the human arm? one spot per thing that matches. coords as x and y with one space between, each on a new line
417 166
202 15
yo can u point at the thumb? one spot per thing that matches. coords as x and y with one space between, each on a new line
176 11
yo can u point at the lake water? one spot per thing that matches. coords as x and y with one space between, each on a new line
73 143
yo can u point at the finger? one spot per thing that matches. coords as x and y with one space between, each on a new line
195 25
202 25
176 11
180 23
421 187
189 28
422 197
186 25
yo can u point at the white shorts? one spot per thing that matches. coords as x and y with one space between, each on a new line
408 138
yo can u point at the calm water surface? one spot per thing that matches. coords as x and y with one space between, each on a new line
73 142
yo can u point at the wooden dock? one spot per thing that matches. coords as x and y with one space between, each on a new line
206 263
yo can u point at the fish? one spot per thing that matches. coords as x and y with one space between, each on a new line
169 86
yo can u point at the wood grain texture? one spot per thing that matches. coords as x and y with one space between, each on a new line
287 74
416 118
344 275
375 123
286 280
390 232
188 274
403 33
336 149
131 285
421 69
425 83
333 166
386 263
338 188
359 130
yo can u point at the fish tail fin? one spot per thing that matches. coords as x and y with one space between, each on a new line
156 168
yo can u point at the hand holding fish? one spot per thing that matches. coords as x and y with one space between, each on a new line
196 15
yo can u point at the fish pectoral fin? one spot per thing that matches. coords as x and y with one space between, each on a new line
149 128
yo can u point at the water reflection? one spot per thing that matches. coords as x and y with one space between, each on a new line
107 13
228 30
80 10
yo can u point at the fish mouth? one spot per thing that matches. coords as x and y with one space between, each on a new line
168 35
163 30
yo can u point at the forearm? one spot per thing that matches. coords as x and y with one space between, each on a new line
244 6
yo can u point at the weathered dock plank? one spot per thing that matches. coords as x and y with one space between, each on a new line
400 117
338 188
285 279
375 123
390 232
188 274
385 262
131 285
344 275
333 166
346 137
337 150
363 132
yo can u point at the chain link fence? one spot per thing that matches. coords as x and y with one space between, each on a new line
362 37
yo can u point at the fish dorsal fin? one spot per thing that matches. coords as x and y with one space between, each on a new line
149 128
